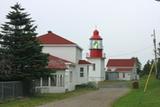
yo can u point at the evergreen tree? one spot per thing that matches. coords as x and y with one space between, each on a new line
138 64
20 46
158 63
5 67
146 68
158 50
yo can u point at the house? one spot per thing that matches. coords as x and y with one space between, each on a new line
65 58
121 69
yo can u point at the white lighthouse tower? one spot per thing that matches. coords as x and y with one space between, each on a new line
96 57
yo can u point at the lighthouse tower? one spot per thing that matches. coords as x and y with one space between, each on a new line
97 57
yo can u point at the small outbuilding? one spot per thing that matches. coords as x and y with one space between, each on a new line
121 69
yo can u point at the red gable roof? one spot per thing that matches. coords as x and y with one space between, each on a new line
57 63
83 62
51 38
121 63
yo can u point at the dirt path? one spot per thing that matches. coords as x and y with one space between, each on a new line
103 97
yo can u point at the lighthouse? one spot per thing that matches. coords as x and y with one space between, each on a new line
96 57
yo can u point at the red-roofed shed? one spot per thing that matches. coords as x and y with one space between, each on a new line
121 69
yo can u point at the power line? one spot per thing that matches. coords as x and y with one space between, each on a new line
133 52
130 53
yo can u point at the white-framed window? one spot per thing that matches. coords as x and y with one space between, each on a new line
123 75
45 81
81 72
94 67
53 80
87 70
37 82
57 80
71 76
61 80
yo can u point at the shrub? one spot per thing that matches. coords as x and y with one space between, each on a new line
87 85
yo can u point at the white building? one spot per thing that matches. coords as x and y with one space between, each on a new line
66 60
121 69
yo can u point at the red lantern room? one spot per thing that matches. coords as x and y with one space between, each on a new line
96 48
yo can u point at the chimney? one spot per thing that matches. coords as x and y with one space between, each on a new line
49 31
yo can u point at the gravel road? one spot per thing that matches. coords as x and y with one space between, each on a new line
103 97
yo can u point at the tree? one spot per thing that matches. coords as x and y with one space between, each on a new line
158 62
146 68
138 64
5 67
158 50
20 46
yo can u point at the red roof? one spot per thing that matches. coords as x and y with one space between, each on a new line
123 69
51 38
96 35
83 62
57 63
121 63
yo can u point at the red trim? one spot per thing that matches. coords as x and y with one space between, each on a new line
94 53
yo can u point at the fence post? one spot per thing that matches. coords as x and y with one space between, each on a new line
13 85
2 91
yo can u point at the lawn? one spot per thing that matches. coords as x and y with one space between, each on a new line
137 98
44 98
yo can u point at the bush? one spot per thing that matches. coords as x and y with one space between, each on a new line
87 85
135 85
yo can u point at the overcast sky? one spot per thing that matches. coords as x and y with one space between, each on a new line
125 25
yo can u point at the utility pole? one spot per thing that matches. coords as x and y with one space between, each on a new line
155 52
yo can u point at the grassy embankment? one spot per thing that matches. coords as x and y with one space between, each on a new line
137 98
44 98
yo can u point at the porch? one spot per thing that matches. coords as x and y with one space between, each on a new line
52 84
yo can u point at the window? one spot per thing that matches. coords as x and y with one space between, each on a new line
71 76
94 67
57 80
37 82
81 72
61 80
45 81
53 80
87 70
81 69
123 75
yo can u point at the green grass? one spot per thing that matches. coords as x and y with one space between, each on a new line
137 98
44 98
